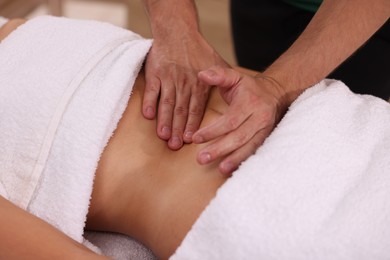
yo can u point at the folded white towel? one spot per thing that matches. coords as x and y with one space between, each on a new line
64 85
319 188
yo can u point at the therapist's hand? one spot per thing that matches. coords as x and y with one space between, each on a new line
256 105
173 91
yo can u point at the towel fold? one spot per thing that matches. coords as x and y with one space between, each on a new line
318 188
64 85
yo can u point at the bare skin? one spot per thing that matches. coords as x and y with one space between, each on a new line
179 51
258 103
142 189
146 190
9 27
20 227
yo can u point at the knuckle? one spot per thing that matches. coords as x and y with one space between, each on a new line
254 99
154 69
266 117
196 111
168 101
240 138
152 88
181 111
233 122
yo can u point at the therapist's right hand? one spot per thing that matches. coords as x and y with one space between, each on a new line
256 105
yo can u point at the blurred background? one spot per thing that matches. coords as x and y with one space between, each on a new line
214 16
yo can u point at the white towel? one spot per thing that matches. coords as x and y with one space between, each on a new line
319 188
64 85
119 247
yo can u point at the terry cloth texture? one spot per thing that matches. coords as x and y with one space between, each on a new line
318 188
64 85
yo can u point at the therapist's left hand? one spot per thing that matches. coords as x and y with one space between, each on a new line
172 85
256 105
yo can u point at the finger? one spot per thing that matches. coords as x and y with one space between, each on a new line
233 161
152 91
165 110
196 111
180 116
218 76
230 142
228 122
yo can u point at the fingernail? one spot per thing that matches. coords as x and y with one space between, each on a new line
198 139
166 131
175 142
226 167
209 73
188 135
205 158
149 111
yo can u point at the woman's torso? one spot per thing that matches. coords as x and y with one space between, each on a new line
156 192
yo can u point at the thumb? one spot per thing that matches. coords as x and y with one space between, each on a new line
220 77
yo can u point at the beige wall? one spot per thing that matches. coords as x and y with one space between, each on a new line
213 14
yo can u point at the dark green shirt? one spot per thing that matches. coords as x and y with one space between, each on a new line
308 5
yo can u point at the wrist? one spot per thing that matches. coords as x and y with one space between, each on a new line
172 18
291 87
171 30
283 97
192 45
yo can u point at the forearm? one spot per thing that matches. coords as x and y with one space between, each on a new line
24 236
172 17
337 30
